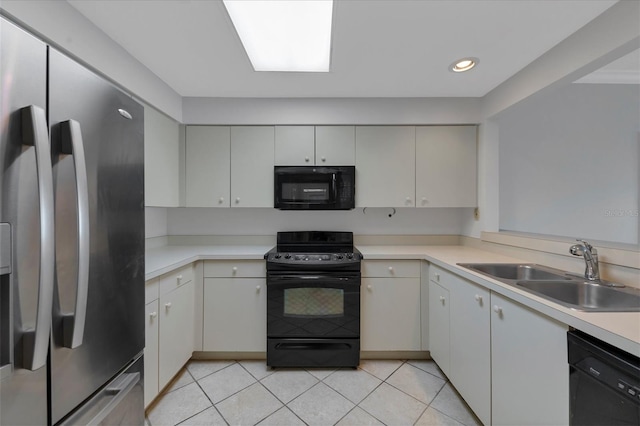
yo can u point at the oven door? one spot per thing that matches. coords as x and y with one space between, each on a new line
305 188
313 306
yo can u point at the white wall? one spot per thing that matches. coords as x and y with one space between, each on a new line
62 26
569 163
327 111
155 222
374 221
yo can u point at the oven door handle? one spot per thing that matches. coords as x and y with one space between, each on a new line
326 278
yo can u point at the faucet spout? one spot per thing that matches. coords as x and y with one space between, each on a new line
590 255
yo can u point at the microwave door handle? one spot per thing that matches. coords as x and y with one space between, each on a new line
334 187
72 144
35 133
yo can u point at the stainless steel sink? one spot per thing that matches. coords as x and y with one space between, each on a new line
561 287
516 271
586 296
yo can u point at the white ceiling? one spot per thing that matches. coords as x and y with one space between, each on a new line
380 48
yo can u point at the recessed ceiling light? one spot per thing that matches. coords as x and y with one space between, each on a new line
284 35
464 64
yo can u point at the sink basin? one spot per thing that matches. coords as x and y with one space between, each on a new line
586 296
515 271
560 287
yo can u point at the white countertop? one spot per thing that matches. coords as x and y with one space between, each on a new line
621 329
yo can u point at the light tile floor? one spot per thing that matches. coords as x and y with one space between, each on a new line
384 392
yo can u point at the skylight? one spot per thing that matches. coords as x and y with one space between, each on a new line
284 35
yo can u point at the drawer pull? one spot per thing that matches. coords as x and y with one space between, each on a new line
257 288
497 309
442 299
152 315
179 278
437 277
369 287
478 299
390 268
167 305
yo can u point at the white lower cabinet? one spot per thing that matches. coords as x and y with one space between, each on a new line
151 352
390 306
507 361
470 340
176 332
169 325
529 369
235 306
439 326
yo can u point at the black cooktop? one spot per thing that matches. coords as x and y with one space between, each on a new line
318 247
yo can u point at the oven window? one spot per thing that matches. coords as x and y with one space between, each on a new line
309 191
313 302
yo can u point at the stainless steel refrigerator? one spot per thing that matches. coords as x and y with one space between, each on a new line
71 241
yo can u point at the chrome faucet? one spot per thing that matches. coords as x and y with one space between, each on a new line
590 255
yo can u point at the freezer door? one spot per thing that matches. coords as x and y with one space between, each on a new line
25 282
97 151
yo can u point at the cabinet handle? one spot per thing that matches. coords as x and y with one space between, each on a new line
442 299
234 269
497 309
167 305
478 299
238 200
306 159
437 277
220 200
369 287
408 201
257 288
391 269
424 201
152 315
324 159
179 278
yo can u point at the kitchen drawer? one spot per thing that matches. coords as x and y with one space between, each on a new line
235 269
151 290
175 279
436 273
391 268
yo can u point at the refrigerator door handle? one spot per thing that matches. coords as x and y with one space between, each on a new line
35 133
72 144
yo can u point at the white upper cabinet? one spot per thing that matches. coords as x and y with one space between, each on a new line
385 166
208 166
446 166
319 145
252 161
335 145
161 160
295 146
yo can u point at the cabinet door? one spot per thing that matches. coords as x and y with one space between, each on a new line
252 151
470 344
208 166
335 145
390 314
446 166
151 352
235 315
529 369
439 326
176 332
161 160
385 166
294 146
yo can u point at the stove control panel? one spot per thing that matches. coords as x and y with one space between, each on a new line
312 257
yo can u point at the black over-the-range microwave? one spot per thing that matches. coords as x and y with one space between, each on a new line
314 187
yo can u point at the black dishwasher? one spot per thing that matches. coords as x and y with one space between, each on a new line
604 383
